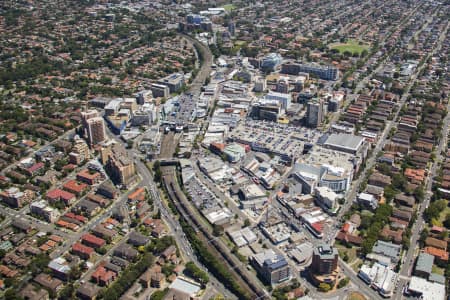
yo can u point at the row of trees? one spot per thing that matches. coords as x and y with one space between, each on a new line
217 268
376 224
128 277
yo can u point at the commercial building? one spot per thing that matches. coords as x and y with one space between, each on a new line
118 165
380 277
41 209
323 72
271 266
346 143
234 152
426 290
327 199
311 176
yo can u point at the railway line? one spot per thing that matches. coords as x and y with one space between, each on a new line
236 268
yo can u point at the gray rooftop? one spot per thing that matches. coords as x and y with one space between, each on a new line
326 251
388 249
425 262
342 140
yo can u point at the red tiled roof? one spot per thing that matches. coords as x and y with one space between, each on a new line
317 226
35 167
78 247
74 186
138 194
92 239
439 253
58 193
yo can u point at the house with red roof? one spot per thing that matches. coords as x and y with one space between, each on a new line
82 251
58 195
88 177
34 169
74 187
137 195
102 276
439 254
92 241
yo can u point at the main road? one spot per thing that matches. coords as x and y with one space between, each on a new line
418 225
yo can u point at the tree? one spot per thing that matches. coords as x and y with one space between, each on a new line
195 272
343 282
324 287
434 209
447 221
217 230
246 222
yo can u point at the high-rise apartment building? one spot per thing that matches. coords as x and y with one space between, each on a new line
315 113
96 130
117 163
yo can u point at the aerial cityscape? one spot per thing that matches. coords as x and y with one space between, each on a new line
224 149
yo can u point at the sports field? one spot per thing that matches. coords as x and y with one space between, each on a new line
351 46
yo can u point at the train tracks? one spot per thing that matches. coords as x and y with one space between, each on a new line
235 267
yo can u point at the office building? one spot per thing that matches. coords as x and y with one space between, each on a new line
315 113
380 277
268 110
174 81
160 90
284 99
324 266
272 267
282 85
143 96
271 61
232 28
260 85
113 107
118 165
325 260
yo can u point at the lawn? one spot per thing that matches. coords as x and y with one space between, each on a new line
229 7
351 252
356 296
351 46
240 43
437 270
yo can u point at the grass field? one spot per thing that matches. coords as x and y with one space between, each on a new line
351 46
229 7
